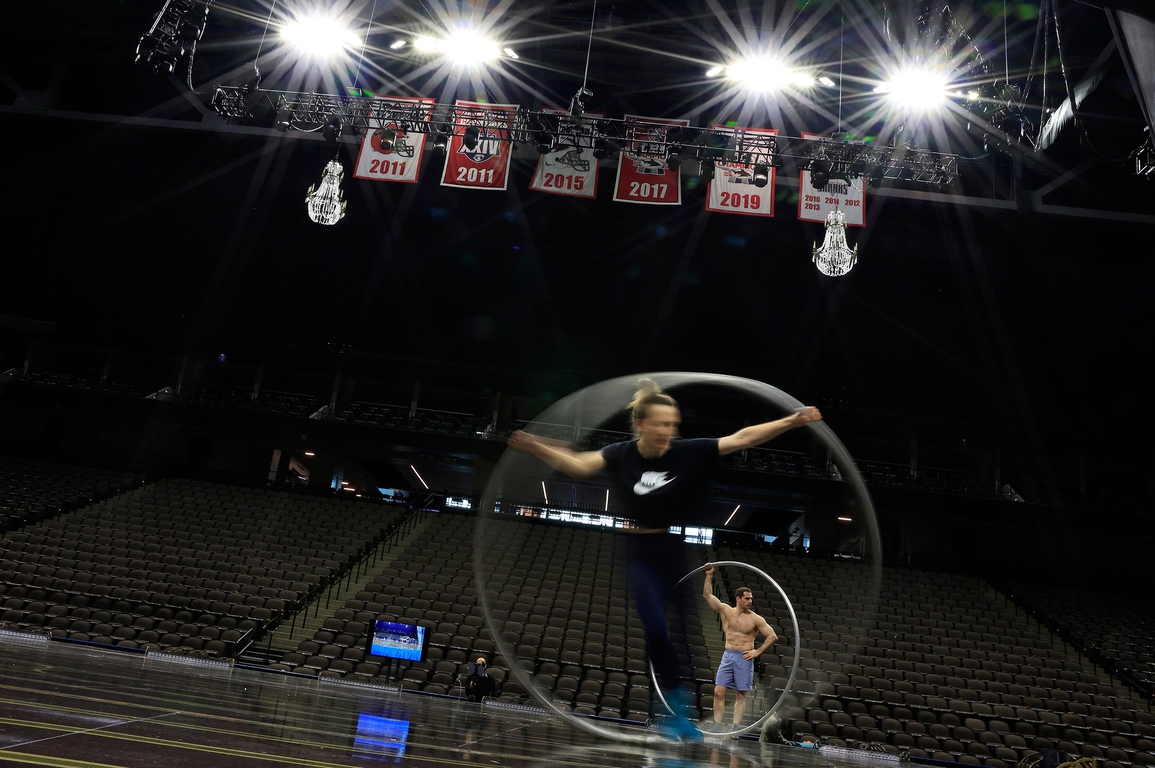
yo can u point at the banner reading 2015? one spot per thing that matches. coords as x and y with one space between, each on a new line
643 176
732 189
486 164
567 170
378 160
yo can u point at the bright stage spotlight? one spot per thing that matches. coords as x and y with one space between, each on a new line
767 73
465 47
319 36
917 89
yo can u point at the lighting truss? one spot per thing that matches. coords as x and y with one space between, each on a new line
355 114
175 31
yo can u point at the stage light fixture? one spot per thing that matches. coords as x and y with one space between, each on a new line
767 73
761 175
820 173
674 159
543 142
319 36
465 47
284 118
603 148
332 129
876 176
470 137
577 105
706 171
397 44
325 203
916 89
835 258
386 138
441 138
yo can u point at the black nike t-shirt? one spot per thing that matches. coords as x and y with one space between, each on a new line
667 490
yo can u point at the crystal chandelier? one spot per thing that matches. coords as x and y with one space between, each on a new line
835 258
325 203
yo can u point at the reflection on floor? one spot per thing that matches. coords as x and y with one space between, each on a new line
74 706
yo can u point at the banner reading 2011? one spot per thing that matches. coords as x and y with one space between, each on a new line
567 170
732 189
643 176
486 164
378 160
814 203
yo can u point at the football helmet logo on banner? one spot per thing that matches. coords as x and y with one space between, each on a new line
401 147
571 159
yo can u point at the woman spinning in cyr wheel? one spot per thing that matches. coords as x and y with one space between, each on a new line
662 480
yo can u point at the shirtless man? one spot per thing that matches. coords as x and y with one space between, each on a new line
737 668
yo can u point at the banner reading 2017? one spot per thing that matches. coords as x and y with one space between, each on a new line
643 176
732 189
486 165
402 160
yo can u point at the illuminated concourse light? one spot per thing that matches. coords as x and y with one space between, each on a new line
845 519
767 73
715 71
826 81
398 44
466 47
510 53
320 36
918 89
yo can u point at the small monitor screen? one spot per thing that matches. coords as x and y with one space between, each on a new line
397 641
380 736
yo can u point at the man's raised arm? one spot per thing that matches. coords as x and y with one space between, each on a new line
708 591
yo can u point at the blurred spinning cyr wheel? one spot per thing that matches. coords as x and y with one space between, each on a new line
555 599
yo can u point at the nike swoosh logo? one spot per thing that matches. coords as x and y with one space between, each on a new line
642 490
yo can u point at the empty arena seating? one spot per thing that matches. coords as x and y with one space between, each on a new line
943 666
32 490
939 666
559 597
1118 630
182 563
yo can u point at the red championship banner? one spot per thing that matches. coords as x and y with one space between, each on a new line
388 152
732 189
486 164
642 173
568 170
849 196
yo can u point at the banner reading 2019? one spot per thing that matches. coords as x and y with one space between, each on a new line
486 164
732 189
643 176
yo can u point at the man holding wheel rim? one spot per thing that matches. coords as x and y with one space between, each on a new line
736 671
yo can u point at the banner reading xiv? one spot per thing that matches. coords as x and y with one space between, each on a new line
486 164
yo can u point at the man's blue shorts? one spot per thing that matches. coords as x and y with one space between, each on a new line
735 672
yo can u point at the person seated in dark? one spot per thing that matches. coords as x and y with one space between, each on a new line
478 683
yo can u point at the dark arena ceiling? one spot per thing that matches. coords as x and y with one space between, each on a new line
1019 295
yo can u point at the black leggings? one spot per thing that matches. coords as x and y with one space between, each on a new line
657 561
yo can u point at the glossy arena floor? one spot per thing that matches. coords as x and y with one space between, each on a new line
74 706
